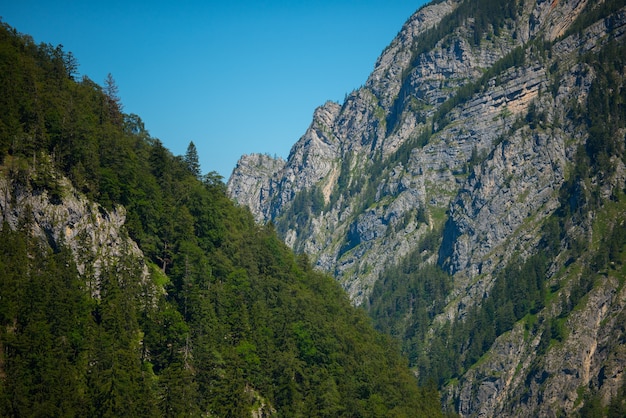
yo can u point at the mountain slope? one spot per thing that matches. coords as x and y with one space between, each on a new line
471 196
130 284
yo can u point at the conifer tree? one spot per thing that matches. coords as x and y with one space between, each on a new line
192 160
113 102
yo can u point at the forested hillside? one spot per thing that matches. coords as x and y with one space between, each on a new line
130 285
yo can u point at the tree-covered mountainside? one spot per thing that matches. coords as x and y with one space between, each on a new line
471 196
130 285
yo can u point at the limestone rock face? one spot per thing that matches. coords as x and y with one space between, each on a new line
513 380
311 159
470 140
387 77
95 236
266 184
251 181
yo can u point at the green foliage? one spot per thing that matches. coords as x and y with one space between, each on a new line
192 160
593 12
605 117
606 106
407 296
230 318
306 204
45 329
518 290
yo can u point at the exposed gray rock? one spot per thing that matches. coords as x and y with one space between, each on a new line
95 236
311 159
251 181
266 185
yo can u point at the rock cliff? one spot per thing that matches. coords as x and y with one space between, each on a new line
96 236
471 128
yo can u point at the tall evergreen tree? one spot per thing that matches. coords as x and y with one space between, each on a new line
192 160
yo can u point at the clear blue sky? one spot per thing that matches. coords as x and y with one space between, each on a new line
234 77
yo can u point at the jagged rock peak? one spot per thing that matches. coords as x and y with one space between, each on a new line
266 184
386 78
249 184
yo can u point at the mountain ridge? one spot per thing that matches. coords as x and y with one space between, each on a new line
479 138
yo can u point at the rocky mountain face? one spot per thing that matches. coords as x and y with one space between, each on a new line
478 129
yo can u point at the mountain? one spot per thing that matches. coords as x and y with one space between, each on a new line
471 197
131 285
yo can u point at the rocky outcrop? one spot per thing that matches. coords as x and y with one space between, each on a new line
95 236
472 141
521 178
387 77
266 184
311 159
251 182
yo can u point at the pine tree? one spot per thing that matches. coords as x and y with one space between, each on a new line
192 160
113 102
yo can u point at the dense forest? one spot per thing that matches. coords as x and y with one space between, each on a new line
228 321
